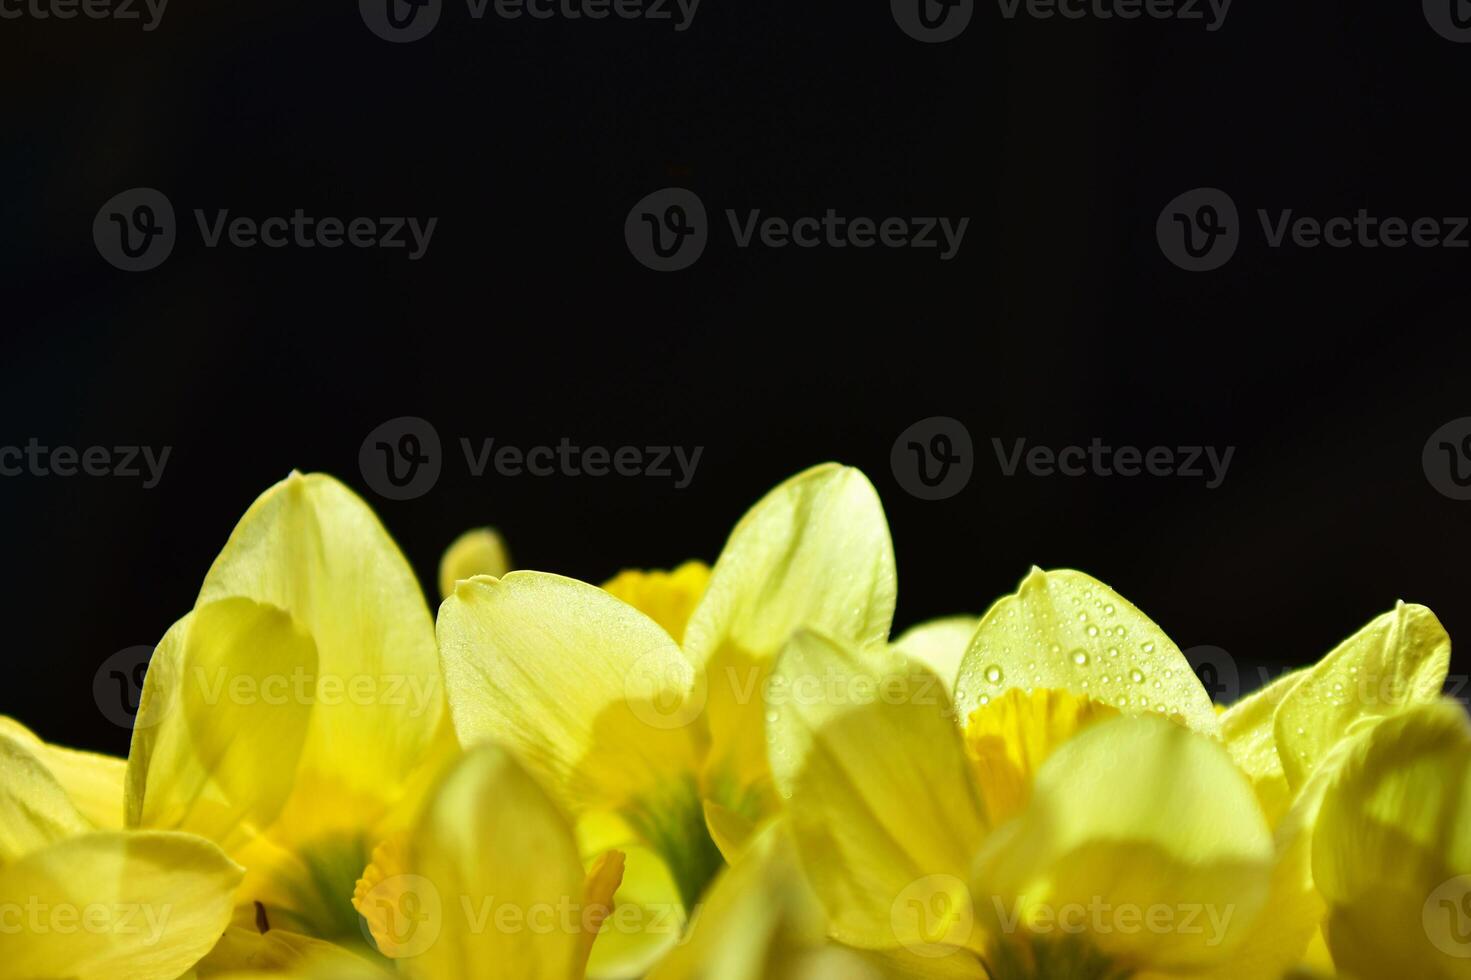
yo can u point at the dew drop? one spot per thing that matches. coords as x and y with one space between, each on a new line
1148 648
994 674
1080 658
1093 631
1136 675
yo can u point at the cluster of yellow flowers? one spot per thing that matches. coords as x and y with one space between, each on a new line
728 772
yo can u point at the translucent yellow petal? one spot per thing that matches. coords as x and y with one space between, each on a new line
729 830
499 886
1392 849
648 915
591 693
93 781
939 644
1143 843
105 905
310 546
1066 630
227 708
1399 659
760 916
280 953
1249 733
814 552
478 552
668 598
883 810
1010 737
34 809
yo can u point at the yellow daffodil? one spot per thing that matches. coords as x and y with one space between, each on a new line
81 898
639 734
1083 822
295 716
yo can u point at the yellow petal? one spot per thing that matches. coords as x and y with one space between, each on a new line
227 704
34 809
589 692
499 886
1398 660
648 915
729 830
478 552
1010 737
280 953
93 781
1133 818
311 547
1249 733
814 552
760 916
105 905
883 810
1392 849
1066 630
939 644
668 598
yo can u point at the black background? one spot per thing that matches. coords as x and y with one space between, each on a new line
528 320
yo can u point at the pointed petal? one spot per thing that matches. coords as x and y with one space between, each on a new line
1398 660
1063 629
311 547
